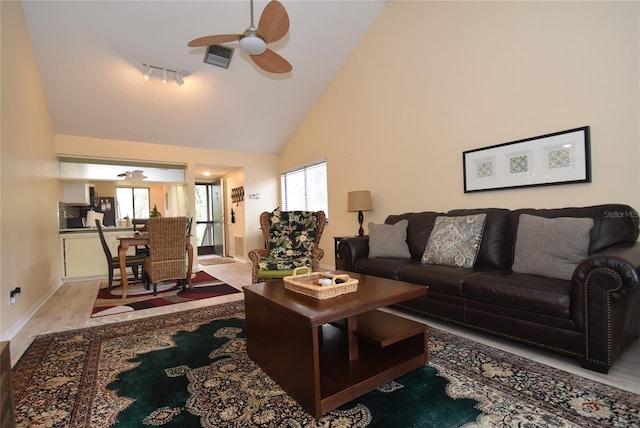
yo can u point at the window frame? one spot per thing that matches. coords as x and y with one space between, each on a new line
133 200
322 202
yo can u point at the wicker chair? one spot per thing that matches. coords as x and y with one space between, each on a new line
292 239
167 259
113 263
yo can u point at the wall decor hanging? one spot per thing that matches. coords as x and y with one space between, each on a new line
237 194
558 158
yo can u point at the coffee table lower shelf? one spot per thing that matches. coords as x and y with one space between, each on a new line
324 366
342 380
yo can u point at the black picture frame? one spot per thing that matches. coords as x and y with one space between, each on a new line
558 158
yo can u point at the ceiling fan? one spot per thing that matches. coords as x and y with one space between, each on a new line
273 26
136 174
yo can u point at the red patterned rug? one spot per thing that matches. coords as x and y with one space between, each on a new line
204 286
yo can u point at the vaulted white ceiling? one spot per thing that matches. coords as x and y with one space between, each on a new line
90 56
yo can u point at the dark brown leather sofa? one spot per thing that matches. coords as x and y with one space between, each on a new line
591 317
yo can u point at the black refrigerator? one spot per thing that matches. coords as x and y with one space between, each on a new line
107 206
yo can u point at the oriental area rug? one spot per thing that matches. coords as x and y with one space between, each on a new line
191 369
203 286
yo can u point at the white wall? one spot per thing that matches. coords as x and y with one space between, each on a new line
432 79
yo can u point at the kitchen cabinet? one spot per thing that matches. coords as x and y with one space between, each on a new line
77 194
82 253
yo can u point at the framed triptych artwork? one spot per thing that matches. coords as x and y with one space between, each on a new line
558 158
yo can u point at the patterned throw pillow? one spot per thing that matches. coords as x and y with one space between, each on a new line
455 241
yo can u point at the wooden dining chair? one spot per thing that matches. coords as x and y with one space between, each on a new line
140 226
167 247
135 262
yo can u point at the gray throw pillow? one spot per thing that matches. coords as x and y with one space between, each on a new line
455 241
389 240
551 247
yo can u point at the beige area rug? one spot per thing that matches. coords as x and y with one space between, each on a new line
216 261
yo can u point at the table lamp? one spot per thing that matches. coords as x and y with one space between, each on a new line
359 200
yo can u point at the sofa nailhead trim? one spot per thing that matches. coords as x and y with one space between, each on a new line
586 312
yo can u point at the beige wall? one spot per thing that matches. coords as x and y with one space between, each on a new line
260 171
242 222
433 79
29 189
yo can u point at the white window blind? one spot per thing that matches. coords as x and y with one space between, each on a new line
305 189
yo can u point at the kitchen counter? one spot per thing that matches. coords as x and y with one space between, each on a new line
95 230
82 252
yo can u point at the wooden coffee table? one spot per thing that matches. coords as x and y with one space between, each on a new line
325 353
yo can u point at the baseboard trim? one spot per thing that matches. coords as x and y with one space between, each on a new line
22 321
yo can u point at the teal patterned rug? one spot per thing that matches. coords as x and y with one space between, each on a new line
190 369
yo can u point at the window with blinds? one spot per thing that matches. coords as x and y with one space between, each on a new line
305 189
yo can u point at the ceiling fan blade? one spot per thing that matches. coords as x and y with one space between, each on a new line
214 40
274 22
271 62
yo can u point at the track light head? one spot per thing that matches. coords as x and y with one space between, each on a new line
148 73
164 76
179 79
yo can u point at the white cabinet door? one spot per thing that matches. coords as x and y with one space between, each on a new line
83 256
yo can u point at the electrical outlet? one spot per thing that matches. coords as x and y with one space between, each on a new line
12 295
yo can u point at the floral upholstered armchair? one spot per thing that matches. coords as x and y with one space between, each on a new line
292 239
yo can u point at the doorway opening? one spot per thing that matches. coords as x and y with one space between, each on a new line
209 218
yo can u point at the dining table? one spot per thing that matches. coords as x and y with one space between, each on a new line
142 239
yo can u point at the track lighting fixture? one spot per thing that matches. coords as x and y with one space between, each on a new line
148 73
178 74
179 79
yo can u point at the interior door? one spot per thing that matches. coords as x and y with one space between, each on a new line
209 222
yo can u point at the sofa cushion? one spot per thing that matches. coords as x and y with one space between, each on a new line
389 240
455 241
551 247
443 279
527 292
418 230
386 268
492 252
613 224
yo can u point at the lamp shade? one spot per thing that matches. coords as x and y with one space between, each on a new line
359 200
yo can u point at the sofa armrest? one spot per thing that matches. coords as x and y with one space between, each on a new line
605 301
352 249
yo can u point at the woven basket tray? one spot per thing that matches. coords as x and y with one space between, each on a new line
308 285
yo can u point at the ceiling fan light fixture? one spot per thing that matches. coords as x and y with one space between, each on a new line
253 45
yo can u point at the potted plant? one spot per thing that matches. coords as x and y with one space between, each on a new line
155 212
